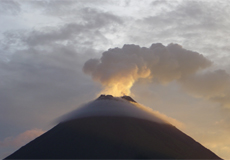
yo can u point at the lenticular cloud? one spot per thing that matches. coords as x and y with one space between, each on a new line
119 107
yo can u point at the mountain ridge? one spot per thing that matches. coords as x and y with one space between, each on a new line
113 137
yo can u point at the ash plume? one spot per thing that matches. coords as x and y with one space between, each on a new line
119 68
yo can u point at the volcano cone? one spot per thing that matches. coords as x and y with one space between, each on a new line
113 135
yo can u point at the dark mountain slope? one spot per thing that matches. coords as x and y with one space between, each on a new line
113 137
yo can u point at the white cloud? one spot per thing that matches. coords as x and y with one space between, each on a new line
120 107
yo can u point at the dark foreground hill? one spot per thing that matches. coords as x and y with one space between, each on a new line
113 137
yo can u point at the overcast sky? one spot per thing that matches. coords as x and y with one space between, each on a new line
185 74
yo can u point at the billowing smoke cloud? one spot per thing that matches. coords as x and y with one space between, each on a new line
119 68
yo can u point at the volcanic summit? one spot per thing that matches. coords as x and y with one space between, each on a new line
113 128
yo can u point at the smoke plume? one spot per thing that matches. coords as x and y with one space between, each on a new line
119 68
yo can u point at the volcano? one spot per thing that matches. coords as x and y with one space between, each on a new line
113 128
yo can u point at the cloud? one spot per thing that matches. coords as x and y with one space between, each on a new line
213 85
9 7
189 16
119 68
119 107
88 26
42 85
42 66
88 32
42 72
197 25
157 2
64 8
43 78
21 139
162 116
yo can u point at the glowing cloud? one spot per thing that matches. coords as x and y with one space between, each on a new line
119 68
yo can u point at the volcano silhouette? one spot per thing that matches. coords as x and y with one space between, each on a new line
113 128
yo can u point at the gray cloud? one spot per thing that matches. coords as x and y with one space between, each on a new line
89 30
157 2
43 68
196 25
38 85
39 88
191 16
209 84
43 75
213 85
67 8
9 7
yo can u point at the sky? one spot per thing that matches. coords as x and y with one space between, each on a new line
172 56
